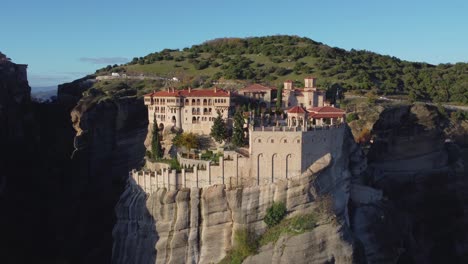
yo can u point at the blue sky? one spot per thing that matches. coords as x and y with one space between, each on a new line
64 40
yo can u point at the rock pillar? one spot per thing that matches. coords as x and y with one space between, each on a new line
184 179
195 171
174 179
221 163
208 169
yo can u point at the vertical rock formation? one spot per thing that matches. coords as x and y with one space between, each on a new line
58 186
198 225
108 143
422 219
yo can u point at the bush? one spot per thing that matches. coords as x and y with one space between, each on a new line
275 214
175 165
245 244
458 116
351 117
293 226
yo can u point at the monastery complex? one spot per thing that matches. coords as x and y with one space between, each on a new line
282 148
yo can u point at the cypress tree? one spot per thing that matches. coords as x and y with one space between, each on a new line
238 130
218 130
156 148
279 98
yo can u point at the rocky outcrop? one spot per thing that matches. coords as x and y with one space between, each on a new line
15 103
58 185
422 218
108 143
71 93
198 225
327 243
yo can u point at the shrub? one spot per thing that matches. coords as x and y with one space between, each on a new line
351 117
275 214
293 226
245 244
458 116
175 165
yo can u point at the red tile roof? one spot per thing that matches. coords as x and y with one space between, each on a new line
256 87
191 93
325 115
326 112
326 109
296 110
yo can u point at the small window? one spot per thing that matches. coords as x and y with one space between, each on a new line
259 141
298 141
272 141
285 141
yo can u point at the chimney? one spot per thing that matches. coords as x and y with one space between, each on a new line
215 89
172 89
309 82
190 89
288 85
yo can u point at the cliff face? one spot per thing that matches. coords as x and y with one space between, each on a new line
198 225
58 185
423 177
108 143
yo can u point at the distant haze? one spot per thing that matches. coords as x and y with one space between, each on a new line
43 93
43 88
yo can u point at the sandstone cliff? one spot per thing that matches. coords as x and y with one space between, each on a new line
198 225
64 166
108 143
58 185
417 160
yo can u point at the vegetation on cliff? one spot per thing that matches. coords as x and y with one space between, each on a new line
156 149
238 129
218 130
274 59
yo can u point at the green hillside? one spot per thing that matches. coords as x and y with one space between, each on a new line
273 59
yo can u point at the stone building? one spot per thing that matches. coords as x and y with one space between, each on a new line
190 109
326 115
265 95
306 97
276 152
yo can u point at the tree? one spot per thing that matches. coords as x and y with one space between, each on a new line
238 131
156 149
218 130
279 98
186 140
275 214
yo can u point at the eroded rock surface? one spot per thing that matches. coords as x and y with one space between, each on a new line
198 225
